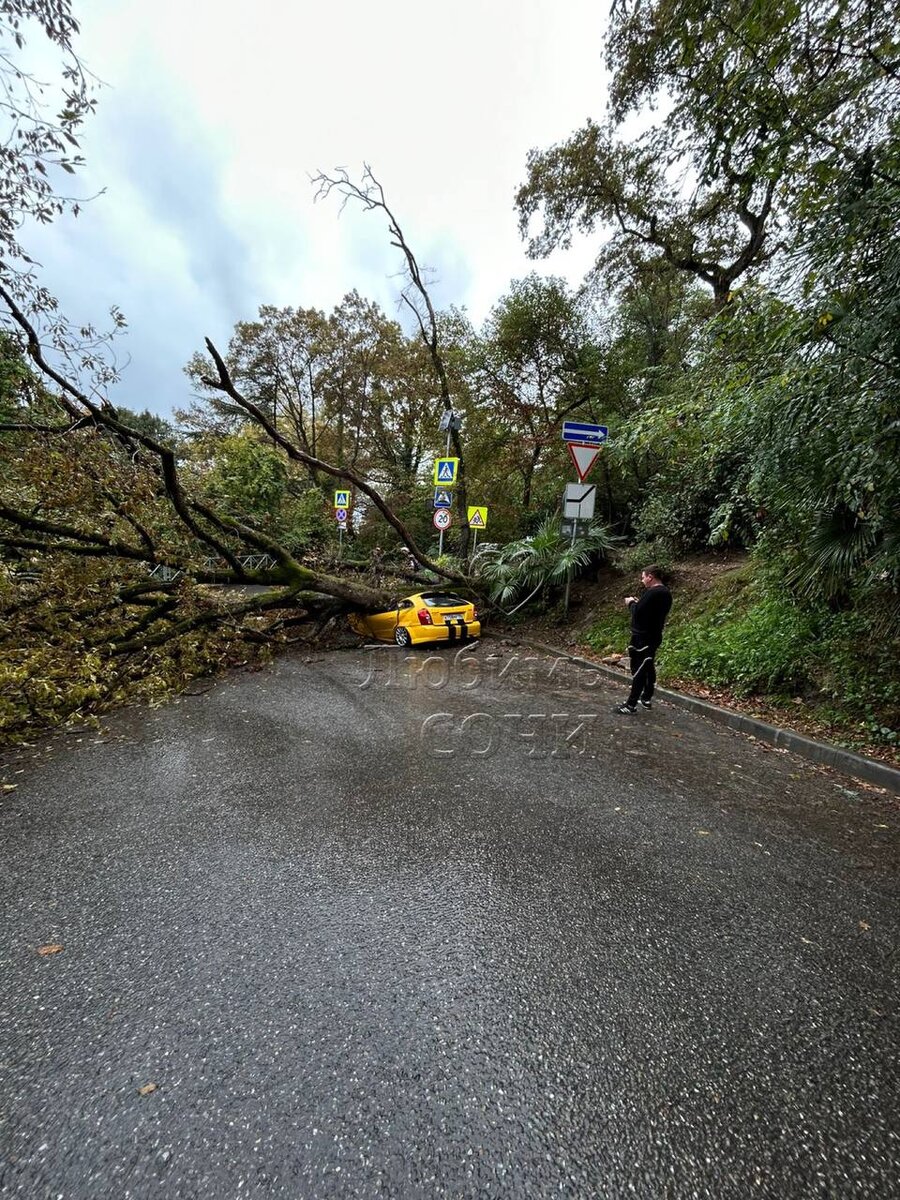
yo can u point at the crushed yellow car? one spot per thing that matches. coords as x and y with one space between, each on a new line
433 616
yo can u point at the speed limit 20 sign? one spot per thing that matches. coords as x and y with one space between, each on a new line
442 519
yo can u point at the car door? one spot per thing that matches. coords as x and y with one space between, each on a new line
383 624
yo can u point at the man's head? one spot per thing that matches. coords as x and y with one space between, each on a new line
652 576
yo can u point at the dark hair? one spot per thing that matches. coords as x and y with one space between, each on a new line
656 572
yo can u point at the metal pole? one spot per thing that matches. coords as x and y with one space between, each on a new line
569 573
340 543
446 455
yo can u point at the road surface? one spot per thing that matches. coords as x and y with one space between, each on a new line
395 925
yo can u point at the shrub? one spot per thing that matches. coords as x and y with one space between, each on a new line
763 648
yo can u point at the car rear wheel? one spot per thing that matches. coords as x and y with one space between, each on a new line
402 636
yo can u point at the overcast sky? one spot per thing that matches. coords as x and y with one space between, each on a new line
215 114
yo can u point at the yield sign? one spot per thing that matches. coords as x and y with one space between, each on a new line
583 457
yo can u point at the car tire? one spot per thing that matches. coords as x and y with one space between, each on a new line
402 637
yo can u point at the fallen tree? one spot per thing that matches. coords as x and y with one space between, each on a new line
109 550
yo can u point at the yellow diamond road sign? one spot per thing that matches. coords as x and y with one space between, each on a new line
341 499
477 518
445 471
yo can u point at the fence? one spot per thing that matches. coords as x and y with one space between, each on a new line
250 562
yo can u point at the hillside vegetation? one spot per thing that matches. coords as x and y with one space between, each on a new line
732 639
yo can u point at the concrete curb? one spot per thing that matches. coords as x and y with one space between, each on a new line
822 753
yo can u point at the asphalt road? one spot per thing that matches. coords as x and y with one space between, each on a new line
388 925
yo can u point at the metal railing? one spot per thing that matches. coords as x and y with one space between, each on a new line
250 562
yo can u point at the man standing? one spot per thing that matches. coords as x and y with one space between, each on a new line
648 616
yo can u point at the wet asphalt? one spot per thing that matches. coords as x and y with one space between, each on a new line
389 925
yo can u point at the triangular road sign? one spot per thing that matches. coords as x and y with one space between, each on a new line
445 473
583 457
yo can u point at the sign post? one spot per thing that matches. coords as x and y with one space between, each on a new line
584 442
578 505
476 518
445 470
341 507
569 572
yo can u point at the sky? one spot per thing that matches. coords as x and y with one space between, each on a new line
213 117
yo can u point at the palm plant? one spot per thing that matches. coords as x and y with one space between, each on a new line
533 564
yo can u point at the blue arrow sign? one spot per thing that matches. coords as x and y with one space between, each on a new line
588 435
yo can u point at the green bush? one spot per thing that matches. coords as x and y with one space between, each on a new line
763 648
642 554
857 672
610 634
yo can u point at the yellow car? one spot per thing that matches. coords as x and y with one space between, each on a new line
424 617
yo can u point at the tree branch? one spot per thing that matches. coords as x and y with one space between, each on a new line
225 384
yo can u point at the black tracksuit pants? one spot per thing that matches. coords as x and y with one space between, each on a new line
641 655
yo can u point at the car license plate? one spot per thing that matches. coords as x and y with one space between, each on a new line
454 618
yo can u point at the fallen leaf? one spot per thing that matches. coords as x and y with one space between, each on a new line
52 948
703 832
147 1089
865 925
10 787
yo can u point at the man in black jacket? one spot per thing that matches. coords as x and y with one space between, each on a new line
648 616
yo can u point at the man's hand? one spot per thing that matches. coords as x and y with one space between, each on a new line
630 600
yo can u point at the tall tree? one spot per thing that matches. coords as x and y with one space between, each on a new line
535 364
416 296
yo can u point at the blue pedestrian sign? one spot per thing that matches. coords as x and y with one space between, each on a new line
445 471
587 435
442 498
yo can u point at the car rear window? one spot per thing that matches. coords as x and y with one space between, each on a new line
443 600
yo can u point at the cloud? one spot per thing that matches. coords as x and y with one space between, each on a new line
216 116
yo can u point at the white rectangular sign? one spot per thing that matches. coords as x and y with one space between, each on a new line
578 501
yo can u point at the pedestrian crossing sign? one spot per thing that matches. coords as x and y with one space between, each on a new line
477 517
342 499
445 471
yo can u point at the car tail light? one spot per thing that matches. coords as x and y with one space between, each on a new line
474 613
424 617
